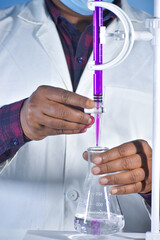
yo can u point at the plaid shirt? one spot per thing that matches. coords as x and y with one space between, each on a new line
11 134
77 47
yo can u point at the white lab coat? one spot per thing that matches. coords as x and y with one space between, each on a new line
40 187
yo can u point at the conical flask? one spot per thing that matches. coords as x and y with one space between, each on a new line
98 212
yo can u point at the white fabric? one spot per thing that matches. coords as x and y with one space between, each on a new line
34 187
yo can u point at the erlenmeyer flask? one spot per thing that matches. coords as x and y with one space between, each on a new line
98 212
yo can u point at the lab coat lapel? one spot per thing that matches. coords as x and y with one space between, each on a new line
86 81
49 38
46 33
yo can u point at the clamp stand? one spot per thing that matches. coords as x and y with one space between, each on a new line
154 26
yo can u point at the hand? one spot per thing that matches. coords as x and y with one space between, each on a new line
53 111
132 161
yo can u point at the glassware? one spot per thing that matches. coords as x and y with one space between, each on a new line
98 212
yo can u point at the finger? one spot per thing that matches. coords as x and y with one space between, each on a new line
124 150
66 97
127 163
49 132
126 189
127 177
147 189
61 111
85 155
54 123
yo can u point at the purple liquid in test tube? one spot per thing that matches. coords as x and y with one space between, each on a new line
98 58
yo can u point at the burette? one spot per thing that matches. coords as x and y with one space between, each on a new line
99 38
129 36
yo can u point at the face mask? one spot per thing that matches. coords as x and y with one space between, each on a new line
80 6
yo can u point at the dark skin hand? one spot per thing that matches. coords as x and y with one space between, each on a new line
132 161
53 111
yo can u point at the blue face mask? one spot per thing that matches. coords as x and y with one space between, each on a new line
80 6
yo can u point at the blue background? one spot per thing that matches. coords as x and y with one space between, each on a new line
146 5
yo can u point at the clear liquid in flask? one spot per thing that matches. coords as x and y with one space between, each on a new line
103 225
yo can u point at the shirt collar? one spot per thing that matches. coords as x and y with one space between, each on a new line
53 11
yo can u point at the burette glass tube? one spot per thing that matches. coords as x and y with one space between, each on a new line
98 74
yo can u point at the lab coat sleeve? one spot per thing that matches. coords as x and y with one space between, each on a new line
11 134
147 197
147 201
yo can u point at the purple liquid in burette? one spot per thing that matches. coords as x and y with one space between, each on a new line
98 58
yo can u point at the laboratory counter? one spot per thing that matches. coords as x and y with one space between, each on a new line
53 235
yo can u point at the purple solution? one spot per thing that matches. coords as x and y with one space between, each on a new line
98 58
96 227
97 129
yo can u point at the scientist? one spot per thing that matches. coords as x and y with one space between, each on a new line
45 47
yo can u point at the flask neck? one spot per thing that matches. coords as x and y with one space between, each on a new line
92 152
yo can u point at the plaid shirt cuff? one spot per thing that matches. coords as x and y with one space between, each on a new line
11 134
147 197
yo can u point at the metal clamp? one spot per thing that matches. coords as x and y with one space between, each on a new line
128 35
